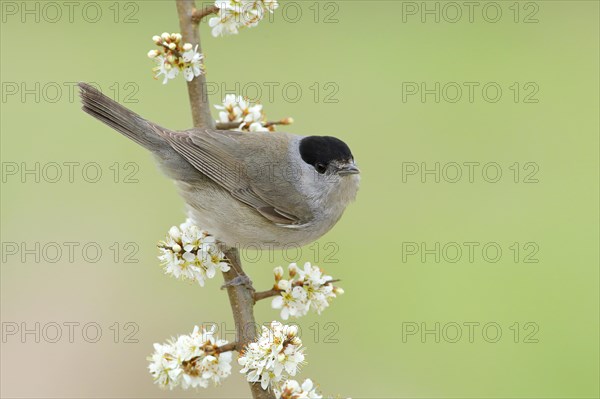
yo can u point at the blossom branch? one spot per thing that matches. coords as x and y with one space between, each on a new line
241 297
276 291
183 254
212 351
285 121
239 285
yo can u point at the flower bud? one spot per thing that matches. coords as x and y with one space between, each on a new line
176 248
175 233
278 272
338 290
293 269
156 39
283 284
172 46
187 46
152 53
165 36
176 37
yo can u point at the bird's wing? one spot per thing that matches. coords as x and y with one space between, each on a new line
225 157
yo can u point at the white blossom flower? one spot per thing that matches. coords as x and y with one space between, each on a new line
165 68
292 389
174 57
189 253
236 14
257 127
230 110
224 24
164 366
237 109
251 113
283 284
277 353
191 361
193 60
305 290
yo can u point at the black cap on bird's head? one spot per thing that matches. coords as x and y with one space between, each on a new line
328 153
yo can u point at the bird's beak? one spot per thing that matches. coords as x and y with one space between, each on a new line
348 169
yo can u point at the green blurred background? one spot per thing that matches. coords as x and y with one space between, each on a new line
360 55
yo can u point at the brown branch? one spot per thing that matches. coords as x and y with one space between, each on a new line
265 294
235 125
196 87
197 15
274 292
211 350
285 121
241 297
227 347
227 125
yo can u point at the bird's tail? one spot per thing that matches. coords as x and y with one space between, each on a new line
120 118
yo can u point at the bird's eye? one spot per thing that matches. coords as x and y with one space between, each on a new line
321 168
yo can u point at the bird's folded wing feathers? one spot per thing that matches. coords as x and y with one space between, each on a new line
222 156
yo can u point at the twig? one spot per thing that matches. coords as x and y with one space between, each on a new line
211 350
197 15
235 125
227 347
285 121
275 291
266 294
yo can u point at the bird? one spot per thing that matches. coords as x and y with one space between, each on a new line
247 189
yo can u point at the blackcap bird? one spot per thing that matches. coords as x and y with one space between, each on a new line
268 189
